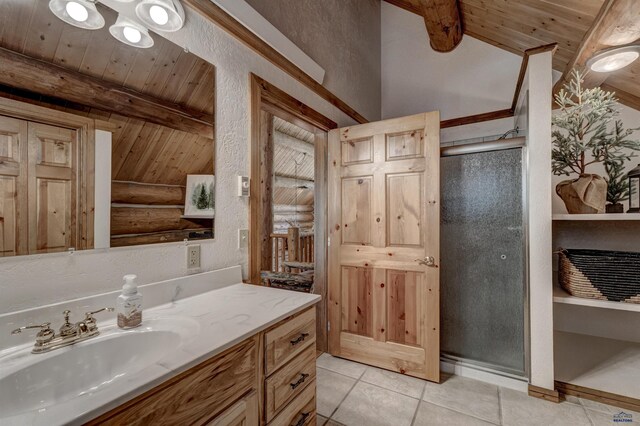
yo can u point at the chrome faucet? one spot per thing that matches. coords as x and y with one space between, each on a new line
47 340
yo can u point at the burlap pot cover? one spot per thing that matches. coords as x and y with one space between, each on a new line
585 195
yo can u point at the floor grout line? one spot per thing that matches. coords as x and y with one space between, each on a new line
346 395
586 412
500 418
415 414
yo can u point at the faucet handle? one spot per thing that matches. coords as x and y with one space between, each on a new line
46 334
89 315
42 327
90 321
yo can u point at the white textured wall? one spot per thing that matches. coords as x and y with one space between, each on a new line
343 36
30 281
475 78
539 84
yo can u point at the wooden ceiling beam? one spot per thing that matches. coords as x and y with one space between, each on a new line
616 24
25 73
444 23
442 19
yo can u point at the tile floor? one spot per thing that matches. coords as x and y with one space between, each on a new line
354 394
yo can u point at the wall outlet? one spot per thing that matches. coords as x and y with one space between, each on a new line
243 238
193 256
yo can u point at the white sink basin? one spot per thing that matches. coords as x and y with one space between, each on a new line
34 382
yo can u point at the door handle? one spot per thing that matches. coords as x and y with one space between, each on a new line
428 261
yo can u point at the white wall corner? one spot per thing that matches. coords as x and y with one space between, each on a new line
539 85
102 193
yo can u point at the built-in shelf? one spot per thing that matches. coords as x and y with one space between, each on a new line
603 216
598 363
561 296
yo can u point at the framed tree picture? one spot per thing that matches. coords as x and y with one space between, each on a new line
199 201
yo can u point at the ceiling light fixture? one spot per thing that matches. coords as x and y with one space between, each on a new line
613 59
79 13
161 15
131 32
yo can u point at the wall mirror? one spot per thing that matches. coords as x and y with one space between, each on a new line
102 144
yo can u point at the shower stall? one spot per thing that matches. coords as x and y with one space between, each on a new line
483 256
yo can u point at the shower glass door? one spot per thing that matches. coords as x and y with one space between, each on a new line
483 275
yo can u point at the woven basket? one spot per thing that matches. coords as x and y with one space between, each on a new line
600 274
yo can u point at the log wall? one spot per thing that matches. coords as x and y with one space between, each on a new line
147 214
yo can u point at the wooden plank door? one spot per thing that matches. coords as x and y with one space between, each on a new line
13 187
53 200
384 221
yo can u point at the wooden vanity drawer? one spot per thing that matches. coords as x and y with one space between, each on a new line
196 396
243 413
288 382
289 339
301 411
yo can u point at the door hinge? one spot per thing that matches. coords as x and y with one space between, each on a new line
328 326
328 241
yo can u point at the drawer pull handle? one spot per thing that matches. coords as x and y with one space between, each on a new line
303 419
303 377
299 339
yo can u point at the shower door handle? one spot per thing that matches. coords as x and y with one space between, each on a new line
428 261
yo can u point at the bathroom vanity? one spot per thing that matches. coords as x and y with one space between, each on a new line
269 377
210 351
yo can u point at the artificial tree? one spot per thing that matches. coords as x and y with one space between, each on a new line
583 137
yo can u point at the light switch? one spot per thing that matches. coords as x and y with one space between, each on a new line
243 238
243 186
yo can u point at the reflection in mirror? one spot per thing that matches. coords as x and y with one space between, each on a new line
70 98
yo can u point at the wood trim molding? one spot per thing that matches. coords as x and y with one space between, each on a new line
274 96
219 17
621 401
552 47
542 393
267 98
476 118
26 73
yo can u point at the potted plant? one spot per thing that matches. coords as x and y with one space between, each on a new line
582 138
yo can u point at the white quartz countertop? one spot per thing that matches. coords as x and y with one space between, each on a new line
219 320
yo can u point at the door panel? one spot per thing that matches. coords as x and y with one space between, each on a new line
357 306
13 190
384 219
54 212
357 151
404 209
405 145
53 204
402 306
356 214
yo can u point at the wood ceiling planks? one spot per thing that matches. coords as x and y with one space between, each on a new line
29 27
142 151
518 25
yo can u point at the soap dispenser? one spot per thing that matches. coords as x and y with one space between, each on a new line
129 304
